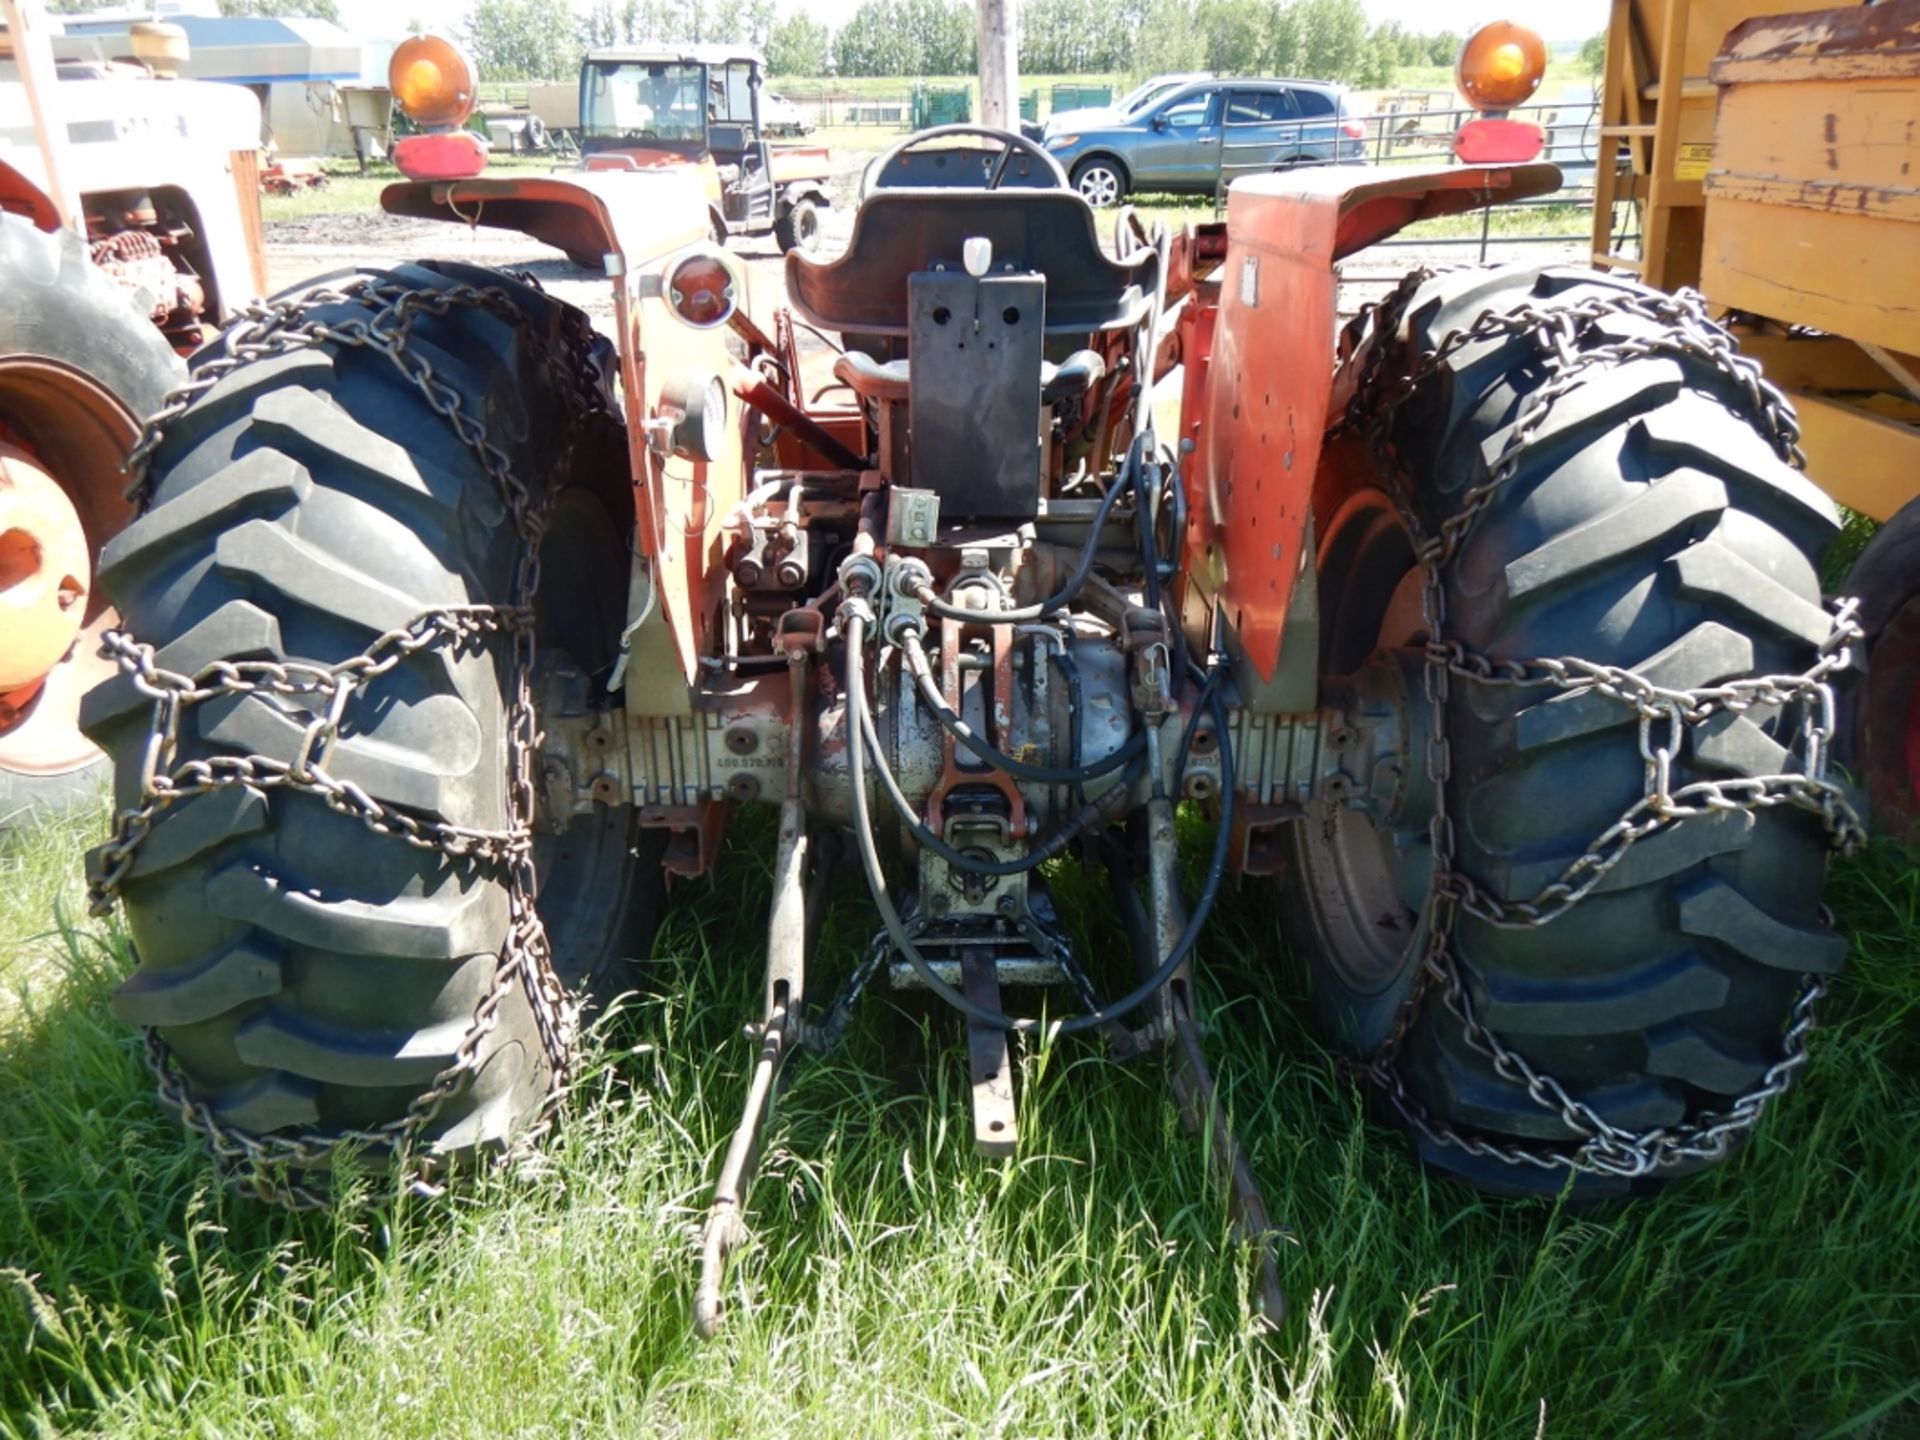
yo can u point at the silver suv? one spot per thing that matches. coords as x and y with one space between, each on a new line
1192 138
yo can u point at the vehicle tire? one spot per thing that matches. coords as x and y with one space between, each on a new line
798 228
1100 182
1649 525
309 976
1883 718
61 308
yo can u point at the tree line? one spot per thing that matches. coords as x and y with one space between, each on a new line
1317 39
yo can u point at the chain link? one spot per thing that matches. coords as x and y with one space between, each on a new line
261 1165
1573 341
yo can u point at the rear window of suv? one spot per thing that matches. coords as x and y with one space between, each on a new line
1316 102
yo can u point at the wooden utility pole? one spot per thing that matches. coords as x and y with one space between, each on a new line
999 64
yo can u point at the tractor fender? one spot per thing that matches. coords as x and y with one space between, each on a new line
1258 389
637 223
22 196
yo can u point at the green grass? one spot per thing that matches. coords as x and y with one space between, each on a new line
896 1284
349 191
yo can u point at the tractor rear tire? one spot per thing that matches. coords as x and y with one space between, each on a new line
1883 740
1649 525
61 307
307 975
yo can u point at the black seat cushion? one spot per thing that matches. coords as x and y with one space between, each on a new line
898 233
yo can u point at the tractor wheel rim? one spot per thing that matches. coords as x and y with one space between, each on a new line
1367 878
59 430
1100 187
45 574
41 736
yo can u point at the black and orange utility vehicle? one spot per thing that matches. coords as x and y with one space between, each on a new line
1490 636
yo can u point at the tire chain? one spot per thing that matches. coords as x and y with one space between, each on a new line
259 1165
1664 715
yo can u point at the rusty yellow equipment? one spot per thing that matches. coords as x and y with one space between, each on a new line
1768 159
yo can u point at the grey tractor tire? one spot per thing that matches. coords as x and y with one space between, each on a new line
798 228
1882 716
61 306
1649 525
308 974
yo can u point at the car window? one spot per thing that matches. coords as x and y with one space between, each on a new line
1190 113
1149 94
1315 102
1259 107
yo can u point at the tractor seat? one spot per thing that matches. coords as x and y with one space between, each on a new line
899 233
886 381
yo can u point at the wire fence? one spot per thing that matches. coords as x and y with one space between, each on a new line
1423 136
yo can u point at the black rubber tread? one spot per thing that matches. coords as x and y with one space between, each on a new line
1879 716
60 305
307 973
787 228
1650 525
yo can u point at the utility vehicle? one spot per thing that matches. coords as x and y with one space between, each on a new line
703 107
1487 631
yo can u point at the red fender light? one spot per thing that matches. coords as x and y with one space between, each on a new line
701 287
1353 130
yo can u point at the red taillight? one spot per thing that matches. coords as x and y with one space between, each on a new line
700 290
1354 130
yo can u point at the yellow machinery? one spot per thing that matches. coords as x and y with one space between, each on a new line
1773 160
1769 160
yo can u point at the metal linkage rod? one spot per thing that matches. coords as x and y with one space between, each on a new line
787 932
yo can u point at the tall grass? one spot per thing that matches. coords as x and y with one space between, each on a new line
898 1285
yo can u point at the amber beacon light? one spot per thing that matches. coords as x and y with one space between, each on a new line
1500 66
435 83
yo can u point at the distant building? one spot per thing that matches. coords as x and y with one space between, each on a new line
310 75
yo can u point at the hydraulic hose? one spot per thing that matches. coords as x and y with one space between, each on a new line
1128 480
957 727
1077 823
856 613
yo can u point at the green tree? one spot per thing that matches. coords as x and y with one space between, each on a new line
524 39
907 37
1169 40
1282 51
282 9
1333 38
1380 61
1593 53
798 46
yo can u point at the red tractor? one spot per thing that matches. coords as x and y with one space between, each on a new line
1490 634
